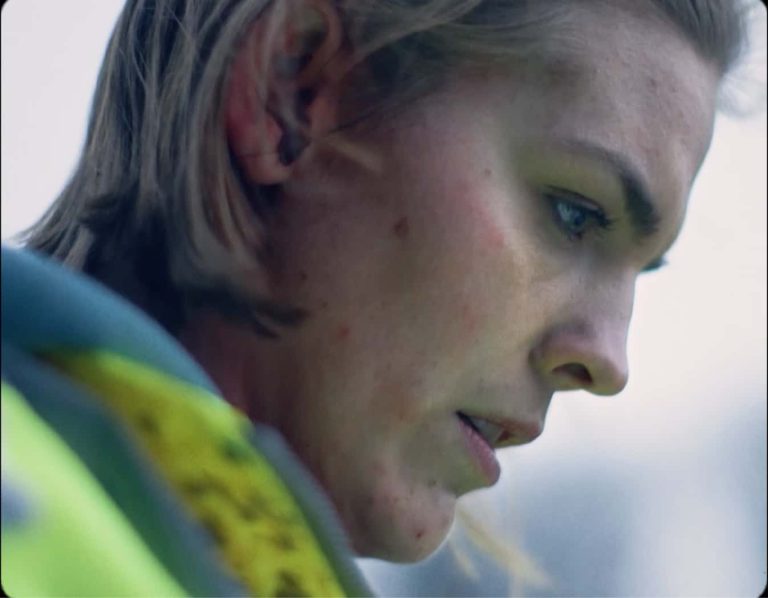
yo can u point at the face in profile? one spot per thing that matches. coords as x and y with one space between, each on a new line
488 261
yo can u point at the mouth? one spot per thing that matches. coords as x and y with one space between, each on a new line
484 436
480 449
501 433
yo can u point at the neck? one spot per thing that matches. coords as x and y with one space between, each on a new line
233 358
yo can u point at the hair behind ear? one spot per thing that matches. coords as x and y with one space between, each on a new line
155 206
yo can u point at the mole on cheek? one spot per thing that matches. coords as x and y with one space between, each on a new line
400 228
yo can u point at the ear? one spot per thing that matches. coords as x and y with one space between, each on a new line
282 88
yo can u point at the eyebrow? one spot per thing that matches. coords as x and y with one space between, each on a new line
638 204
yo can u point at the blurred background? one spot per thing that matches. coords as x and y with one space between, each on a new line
660 491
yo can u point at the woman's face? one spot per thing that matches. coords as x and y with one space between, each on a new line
487 262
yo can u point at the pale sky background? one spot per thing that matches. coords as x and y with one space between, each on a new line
681 451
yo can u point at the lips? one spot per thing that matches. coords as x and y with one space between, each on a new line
501 433
489 432
483 436
481 451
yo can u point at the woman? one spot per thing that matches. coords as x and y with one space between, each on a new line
392 231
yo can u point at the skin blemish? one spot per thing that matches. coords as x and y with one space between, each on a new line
496 238
302 276
400 228
487 172
402 412
342 332
419 534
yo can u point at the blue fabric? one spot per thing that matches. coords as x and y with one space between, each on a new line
47 306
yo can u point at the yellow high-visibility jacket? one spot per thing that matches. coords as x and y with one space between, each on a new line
124 472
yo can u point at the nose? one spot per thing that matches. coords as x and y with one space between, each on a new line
588 353
571 361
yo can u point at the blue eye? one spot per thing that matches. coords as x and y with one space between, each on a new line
573 216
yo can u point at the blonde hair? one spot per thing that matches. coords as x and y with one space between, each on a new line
156 194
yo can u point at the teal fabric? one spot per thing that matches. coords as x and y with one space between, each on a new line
46 306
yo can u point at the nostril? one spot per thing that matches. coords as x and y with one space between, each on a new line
576 372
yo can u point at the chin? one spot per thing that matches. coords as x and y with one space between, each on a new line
409 539
402 552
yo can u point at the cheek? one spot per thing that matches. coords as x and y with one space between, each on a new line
401 395
480 252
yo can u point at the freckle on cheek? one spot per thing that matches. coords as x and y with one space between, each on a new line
400 228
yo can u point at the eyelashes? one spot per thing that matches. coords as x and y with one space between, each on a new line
575 215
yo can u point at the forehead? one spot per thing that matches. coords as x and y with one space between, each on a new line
632 83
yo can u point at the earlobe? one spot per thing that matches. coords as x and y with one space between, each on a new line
276 96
